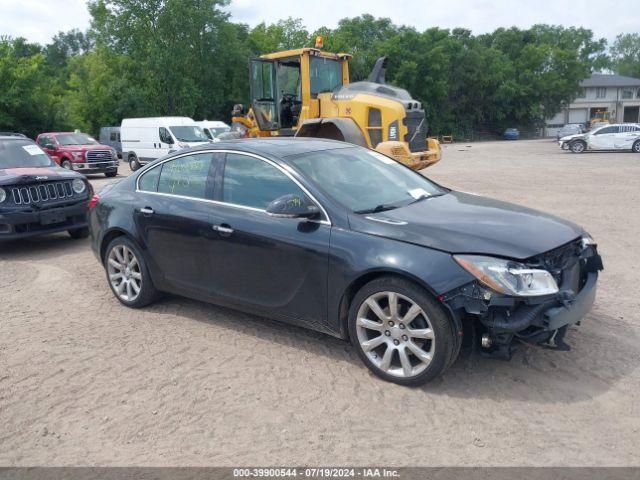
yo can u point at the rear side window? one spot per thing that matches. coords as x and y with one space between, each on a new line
149 181
252 182
186 176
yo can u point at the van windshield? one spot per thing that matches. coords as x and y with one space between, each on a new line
22 153
189 133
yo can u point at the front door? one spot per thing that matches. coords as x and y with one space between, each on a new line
264 94
603 139
173 215
276 265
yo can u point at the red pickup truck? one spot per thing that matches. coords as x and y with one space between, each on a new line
79 152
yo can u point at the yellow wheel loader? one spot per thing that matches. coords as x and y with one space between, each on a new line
306 93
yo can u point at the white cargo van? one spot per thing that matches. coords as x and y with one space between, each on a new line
145 139
213 128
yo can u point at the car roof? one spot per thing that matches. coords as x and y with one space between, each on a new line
279 147
14 137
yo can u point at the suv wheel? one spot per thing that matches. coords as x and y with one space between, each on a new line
78 233
400 332
578 146
127 273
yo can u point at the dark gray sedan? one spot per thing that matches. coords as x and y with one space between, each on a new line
346 241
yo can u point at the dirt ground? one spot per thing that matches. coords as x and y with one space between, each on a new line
86 381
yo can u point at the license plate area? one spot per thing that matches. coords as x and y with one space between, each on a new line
50 218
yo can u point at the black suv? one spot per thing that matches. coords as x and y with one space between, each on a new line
36 195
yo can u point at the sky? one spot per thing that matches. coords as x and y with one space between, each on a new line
39 20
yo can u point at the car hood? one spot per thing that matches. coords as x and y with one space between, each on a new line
83 148
571 137
35 174
465 223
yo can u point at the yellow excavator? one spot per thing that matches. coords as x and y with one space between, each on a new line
306 93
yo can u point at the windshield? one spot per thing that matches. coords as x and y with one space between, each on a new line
217 131
75 139
326 75
189 133
22 153
363 180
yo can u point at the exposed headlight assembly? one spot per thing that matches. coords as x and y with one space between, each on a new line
508 277
78 186
588 241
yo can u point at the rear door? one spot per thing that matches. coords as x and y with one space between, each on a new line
173 217
264 94
626 137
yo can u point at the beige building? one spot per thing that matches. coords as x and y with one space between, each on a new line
614 97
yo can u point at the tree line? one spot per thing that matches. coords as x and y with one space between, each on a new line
186 57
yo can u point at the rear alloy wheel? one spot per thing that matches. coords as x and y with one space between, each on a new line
400 332
128 275
578 146
636 147
66 164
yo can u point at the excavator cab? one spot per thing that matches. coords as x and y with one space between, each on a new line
282 85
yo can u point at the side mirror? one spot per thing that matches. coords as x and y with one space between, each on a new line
292 206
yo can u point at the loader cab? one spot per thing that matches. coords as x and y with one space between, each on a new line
285 86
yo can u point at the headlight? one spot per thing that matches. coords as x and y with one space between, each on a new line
3 195
78 186
77 155
508 277
588 241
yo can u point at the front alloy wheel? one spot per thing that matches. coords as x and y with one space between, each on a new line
636 147
400 332
395 334
127 274
578 146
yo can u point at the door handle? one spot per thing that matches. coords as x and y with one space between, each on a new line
223 230
146 211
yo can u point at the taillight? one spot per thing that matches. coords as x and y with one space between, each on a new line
94 201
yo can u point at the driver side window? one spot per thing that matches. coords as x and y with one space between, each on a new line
251 182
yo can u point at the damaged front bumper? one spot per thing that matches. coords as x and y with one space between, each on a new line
498 323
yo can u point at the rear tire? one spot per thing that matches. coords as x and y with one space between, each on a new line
636 147
410 343
127 273
134 163
78 233
578 146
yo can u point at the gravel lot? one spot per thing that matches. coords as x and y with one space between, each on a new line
85 381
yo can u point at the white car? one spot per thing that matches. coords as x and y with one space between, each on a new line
624 136
213 128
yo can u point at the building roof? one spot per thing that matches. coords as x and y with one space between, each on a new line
603 80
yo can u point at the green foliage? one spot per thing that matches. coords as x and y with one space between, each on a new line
185 57
625 55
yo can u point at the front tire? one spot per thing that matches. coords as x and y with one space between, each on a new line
636 147
111 174
400 332
578 146
127 273
66 164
